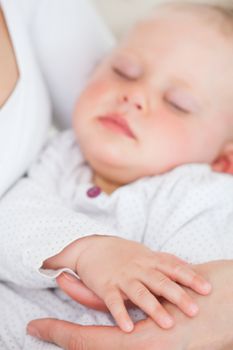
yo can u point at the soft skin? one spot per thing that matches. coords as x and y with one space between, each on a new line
8 68
165 82
131 271
211 330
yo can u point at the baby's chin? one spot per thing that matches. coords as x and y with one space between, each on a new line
123 168
113 170
107 152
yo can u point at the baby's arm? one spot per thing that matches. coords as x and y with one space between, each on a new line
36 222
35 225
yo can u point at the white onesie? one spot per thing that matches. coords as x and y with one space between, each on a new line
188 212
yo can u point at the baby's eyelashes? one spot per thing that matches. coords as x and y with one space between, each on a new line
131 73
127 67
177 106
182 101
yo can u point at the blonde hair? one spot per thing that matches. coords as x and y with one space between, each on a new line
222 15
227 18
217 12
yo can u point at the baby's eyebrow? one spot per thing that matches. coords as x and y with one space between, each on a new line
181 83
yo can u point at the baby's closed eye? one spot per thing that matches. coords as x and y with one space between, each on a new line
127 67
182 101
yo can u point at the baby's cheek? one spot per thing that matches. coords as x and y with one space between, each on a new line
189 144
172 130
92 99
178 145
174 138
97 90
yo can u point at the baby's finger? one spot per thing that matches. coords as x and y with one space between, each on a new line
147 302
161 285
116 306
184 275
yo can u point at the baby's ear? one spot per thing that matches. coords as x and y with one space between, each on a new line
224 162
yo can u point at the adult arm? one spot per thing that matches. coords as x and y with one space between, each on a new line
211 329
8 67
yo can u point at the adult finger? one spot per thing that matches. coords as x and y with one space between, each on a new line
82 294
70 336
79 292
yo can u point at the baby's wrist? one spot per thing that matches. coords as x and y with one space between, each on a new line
69 256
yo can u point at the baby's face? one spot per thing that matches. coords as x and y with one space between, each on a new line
162 99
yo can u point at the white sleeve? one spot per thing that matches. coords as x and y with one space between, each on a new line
69 38
36 224
193 217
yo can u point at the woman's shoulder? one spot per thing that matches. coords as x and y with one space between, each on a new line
25 112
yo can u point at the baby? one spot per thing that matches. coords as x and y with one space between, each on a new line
137 179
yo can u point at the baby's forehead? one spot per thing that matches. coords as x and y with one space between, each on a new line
217 18
172 24
162 19
186 45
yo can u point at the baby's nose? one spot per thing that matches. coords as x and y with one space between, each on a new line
135 101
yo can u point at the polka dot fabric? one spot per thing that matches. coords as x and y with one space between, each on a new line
188 212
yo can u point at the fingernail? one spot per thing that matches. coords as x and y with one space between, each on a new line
33 332
193 309
167 322
69 277
206 287
128 326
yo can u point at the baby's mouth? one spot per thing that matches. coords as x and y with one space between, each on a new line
116 123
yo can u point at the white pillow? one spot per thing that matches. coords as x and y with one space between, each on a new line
69 38
121 14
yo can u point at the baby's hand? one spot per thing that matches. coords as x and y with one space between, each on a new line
117 269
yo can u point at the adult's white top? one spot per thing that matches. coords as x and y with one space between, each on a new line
56 44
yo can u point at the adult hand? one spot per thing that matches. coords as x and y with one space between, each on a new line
134 272
146 335
71 336
79 292
211 329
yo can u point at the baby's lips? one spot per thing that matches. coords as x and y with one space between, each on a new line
117 119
